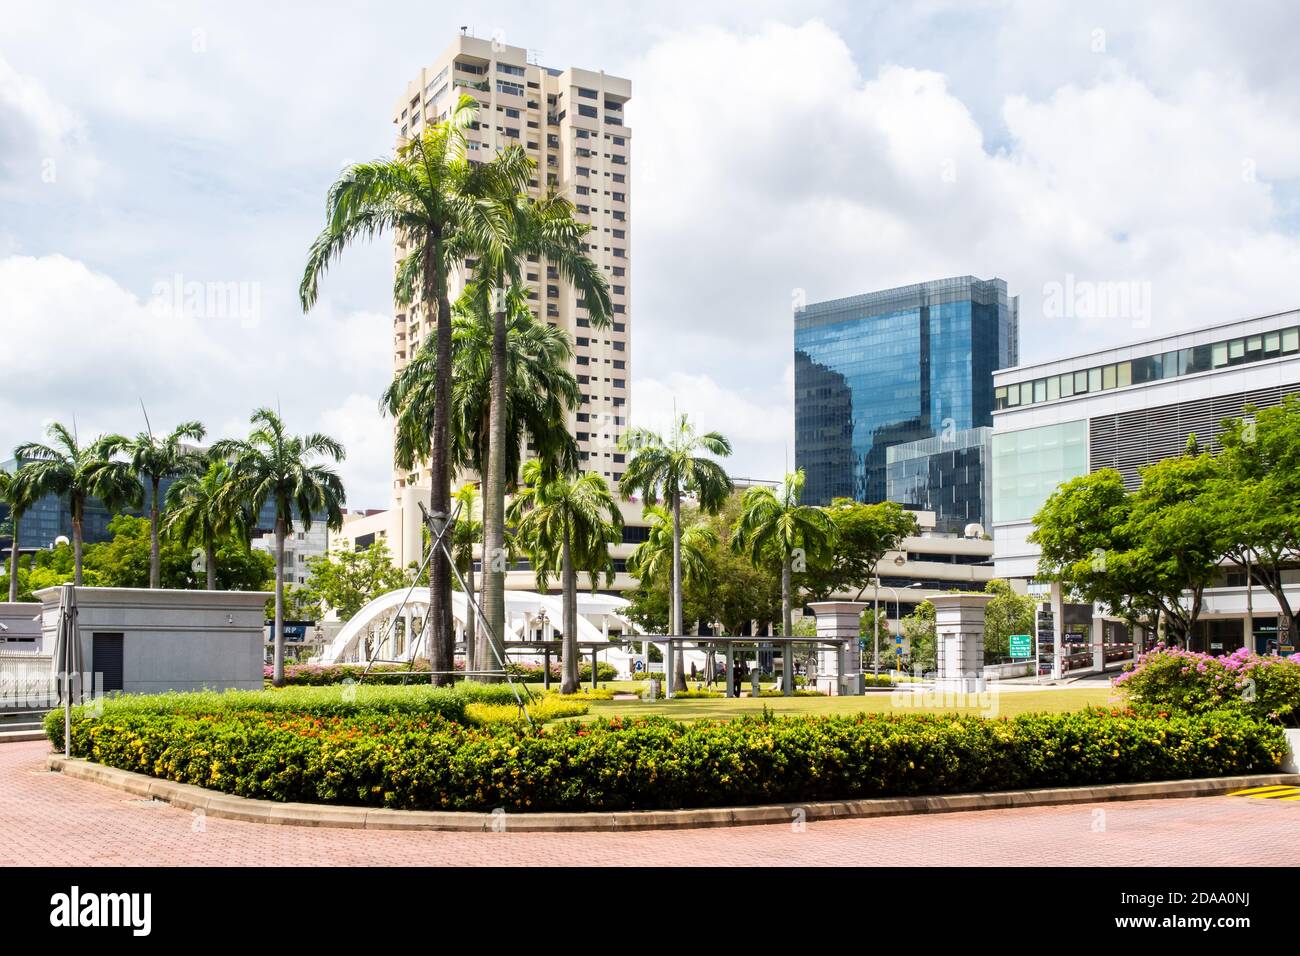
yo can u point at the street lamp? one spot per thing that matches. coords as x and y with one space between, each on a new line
898 604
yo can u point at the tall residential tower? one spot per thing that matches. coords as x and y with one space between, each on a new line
571 124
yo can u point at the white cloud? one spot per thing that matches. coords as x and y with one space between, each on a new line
756 418
82 347
873 147
43 142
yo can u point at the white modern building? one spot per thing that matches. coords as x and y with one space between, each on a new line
1123 408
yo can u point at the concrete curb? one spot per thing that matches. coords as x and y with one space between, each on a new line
186 796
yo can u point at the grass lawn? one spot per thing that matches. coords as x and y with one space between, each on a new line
1002 704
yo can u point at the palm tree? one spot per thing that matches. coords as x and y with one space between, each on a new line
654 556
199 514
775 524
667 469
566 524
152 460
272 465
542 229
435 201
78 473
16 492
541 390
467 533
540 393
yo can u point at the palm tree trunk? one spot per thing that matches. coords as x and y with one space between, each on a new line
76 550
155 560
277 672
441 637
787 604
679 664
494 497
211 557
13 559
569 680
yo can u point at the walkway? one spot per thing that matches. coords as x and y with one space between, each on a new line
46 819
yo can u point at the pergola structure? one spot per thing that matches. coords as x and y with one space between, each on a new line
839 648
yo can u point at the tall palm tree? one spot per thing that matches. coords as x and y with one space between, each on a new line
542 229
436 203
654 556
540 394
540 389
666 469
467 533
77 473
566 524
16 492
199 514
272 465
153 459
774 524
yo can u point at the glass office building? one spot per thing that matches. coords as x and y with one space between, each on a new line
950 474
892 367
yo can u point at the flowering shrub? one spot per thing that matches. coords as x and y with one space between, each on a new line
421 760
323 675
1266 688
540 709
533 672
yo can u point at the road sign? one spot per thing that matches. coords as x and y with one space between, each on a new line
1022 645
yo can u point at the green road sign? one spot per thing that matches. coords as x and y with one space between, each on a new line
1022 645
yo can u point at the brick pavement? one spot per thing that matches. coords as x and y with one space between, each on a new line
47 819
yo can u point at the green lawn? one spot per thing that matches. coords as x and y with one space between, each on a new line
992 705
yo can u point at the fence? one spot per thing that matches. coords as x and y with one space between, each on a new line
27 680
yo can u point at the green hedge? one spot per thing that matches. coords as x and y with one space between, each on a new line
422 700
422 760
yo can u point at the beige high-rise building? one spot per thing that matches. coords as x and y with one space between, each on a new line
571 123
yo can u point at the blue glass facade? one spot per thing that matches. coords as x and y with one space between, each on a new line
890 367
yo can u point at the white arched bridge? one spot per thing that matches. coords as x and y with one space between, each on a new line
388 627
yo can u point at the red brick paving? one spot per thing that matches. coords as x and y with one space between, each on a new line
47 819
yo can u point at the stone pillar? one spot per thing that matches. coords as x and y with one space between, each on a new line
959 641
840 620
1058 630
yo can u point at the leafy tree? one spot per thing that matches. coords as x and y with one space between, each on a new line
154 458
668 469
345 581
272 465
1008 613
567 525
1135 553
77 473
882 641
775 527
1256 493
863 533
919 630
439 205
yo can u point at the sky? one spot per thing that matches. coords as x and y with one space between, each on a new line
163 169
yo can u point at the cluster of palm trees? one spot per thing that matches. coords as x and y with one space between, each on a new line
773 525
214 495
490 377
